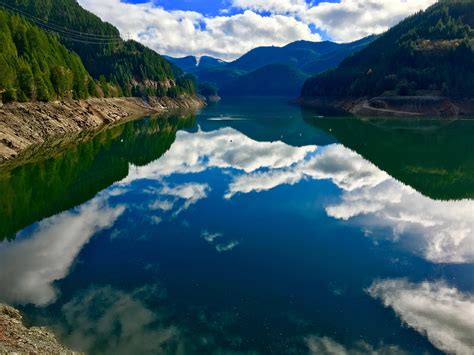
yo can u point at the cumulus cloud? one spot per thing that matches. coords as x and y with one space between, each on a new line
327 346
110 321
180 33
190 193
293 7
349 20
344 167
214 238
436 310
345 20
29 267
223 148
439 231
260 23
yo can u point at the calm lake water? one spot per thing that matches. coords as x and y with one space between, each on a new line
253 227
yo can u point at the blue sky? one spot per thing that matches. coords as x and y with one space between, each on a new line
207 7
227 29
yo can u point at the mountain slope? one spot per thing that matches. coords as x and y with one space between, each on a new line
36 66
270 80
430 52
135 68
257 70
303 55
191 64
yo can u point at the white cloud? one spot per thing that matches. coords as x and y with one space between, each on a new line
327 346
29 267
226 246
180 33
436 310
439 231
345 21
353 19
210 237
223 148
294 7
117 321
213 238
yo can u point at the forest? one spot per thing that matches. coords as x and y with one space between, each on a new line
56 49
431 52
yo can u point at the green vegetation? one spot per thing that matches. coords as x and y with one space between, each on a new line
430 52
208 89
35 66
39 68
270 80
429 156
270 71
73 176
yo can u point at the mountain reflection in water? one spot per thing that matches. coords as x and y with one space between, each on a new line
277 233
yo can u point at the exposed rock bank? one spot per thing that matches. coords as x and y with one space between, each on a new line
399 106
25 124
15 338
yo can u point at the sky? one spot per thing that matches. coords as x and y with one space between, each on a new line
227 29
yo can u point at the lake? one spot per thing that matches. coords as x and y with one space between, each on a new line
252 227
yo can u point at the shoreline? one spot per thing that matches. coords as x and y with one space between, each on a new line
393 106
16 338
23 125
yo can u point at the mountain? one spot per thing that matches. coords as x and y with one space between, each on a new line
303 55
428 55
258 69
270 80
191 64
36 66
136 69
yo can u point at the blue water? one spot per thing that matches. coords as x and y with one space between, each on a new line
261 229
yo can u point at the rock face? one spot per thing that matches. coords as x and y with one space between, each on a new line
15 338
26 124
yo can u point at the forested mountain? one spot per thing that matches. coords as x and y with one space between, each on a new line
133 68
303 55
36 66
257 71
270 80
428 53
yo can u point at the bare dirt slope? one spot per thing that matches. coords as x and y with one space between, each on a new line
26 124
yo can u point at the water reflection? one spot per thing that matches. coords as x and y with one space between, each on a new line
440 231
434 157
226 238
441 312
73 176
46 254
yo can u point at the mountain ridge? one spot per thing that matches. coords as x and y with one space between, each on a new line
428 55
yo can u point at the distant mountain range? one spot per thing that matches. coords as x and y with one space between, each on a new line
270 71
412 67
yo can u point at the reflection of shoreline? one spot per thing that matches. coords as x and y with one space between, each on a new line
30 266
18 339
73 176
438 231
47 120
434 157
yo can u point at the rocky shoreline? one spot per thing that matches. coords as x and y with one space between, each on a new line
391 106
15 338
23 125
